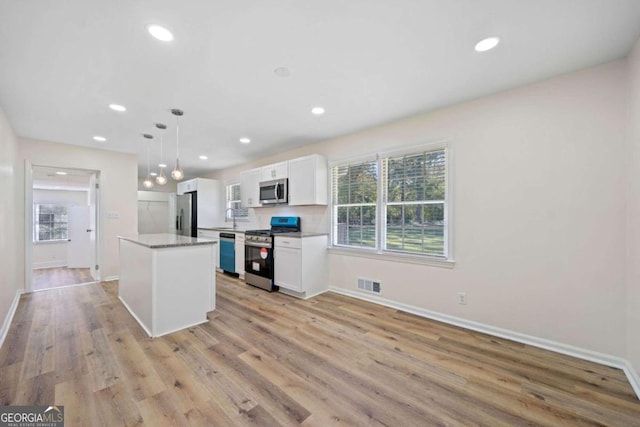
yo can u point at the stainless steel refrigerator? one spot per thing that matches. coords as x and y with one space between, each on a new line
187 214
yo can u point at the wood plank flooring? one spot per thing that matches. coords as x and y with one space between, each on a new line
48 278
272 360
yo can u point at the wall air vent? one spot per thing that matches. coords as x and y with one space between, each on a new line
369 285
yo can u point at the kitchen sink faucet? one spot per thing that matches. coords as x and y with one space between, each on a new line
233 216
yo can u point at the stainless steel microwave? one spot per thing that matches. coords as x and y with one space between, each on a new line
274 192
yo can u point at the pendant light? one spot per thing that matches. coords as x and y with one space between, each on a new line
177 174
148 182
161 179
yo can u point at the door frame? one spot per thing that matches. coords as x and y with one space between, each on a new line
28 220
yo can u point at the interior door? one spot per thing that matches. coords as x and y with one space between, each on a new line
93 226
79 240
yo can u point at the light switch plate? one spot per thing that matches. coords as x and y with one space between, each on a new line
113 214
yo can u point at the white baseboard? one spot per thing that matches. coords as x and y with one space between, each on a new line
302 295
558 347
9 317
142 325
633 377
48 264
110 278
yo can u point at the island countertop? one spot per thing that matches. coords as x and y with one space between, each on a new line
166 240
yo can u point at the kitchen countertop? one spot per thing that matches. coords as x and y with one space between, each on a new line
154 241
223 229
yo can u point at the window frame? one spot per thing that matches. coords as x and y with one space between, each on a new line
240 209
36 223
379 251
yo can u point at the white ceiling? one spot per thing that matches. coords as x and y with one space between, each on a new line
366 61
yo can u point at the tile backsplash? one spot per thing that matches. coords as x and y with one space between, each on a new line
313 219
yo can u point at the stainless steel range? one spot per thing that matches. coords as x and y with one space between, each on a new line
258 251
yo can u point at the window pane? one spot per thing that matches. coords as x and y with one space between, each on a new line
356 183
50 222
416 228
235 192
356 226
416 177
434 175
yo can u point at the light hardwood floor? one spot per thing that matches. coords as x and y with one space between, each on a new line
268 359
47 278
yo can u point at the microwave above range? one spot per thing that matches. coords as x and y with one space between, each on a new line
274 192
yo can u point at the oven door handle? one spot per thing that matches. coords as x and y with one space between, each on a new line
257 245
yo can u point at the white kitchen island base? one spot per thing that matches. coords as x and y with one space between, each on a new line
167 282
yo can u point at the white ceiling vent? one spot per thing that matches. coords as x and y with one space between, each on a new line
369 285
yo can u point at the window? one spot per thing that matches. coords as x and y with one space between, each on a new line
50 222
355 198
397 203
234 202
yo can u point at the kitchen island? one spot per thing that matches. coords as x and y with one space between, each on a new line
167 281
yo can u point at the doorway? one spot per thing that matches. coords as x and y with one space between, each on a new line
62 224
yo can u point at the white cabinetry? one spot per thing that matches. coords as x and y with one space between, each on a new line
240 254
211 200
300 266
308 181
213 235
249 188
275 171
288 263
187 186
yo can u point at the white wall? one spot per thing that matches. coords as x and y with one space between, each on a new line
539 209
54 254
633 213
11 222
153 212
118 193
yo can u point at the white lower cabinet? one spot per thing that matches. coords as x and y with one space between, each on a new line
301 265
240 254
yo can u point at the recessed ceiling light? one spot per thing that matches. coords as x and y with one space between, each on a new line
282 72
153 174
245 140
162 165
318 111
160 33
61 173
99 138
203 157
116 107
487 44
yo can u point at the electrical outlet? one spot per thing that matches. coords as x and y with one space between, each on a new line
462 298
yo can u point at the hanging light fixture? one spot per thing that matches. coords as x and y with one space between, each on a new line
161 179
177 174
148 182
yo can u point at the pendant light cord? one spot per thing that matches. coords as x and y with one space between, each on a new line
148 158
177 137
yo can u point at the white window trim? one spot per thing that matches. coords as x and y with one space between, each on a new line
378 252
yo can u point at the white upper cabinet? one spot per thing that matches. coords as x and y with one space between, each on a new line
250 188
275 171
308 181
187 186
